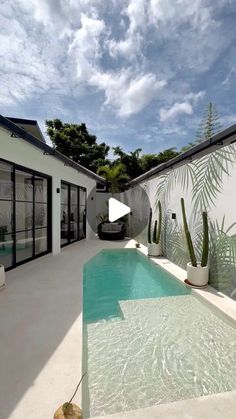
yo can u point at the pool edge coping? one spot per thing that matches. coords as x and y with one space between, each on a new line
220 301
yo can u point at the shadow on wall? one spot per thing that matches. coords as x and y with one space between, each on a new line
203 181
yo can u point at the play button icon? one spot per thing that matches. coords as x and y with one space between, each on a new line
117 209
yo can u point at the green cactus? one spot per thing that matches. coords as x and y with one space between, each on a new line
157 232
154 235
188 236
150 226
205 245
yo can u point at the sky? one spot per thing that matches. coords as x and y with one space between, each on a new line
139 73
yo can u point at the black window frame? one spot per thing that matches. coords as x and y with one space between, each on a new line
78 187
15 167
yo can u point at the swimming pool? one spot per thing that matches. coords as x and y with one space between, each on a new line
147 339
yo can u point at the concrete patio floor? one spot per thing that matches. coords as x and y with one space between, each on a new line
40 335
40 332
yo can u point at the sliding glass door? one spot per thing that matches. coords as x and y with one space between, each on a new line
6 214
25 211
71 216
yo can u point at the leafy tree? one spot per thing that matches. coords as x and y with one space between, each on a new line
148 161
131 161
208 127
115 175
74 141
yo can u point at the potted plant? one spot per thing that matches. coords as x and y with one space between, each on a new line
70 410
154 245
2 277
197 272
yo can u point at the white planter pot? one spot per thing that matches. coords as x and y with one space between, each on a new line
197 275
2 276
154 249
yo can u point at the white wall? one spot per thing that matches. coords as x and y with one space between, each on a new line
206 184
18 151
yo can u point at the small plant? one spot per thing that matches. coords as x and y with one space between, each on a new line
157 231
156 235
102 217
150 226
205 247
68 408
137 244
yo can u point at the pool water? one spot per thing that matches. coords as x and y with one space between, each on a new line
115 275
147 339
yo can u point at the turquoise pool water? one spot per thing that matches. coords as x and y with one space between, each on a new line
147 339
115 275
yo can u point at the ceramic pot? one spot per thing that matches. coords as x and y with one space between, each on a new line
68 411
154 249
2 276
197 275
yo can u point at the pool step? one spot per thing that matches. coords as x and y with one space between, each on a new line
154 308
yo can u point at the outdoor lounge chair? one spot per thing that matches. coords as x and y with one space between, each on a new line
111 231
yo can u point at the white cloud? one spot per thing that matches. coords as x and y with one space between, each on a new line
178 108
175 110
85 47
128 94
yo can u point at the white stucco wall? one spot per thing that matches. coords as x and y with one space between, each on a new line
206 184
18 151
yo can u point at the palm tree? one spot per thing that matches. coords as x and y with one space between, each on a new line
115 176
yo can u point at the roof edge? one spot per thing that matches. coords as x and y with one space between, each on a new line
220 140
47 150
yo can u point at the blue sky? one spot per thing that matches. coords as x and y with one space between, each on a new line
139 73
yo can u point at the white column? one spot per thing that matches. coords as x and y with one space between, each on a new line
56 215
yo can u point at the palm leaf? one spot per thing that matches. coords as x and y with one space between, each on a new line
222 256
182 176
208 177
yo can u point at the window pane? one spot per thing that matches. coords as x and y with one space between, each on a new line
24 245
24 216
74 222
41 217
24 186
6 250
64 194
73 195
82 222
5 217
40 185
5 181
41 237
82 197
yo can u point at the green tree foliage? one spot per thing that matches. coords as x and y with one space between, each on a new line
136 165
148 161
74 141
131 161
115 176
208 127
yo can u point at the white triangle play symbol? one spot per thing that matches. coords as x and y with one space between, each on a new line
117 209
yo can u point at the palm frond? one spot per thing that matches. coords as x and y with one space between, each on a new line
208 178
222 256
183 176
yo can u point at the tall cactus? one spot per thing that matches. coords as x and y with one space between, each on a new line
150 226
188 236
205 245
154 235
157 232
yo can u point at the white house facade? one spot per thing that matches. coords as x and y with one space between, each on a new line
44 201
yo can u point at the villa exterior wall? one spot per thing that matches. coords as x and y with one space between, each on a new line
208 183
17 151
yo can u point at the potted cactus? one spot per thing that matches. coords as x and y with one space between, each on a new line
2 277
154 245
197 272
